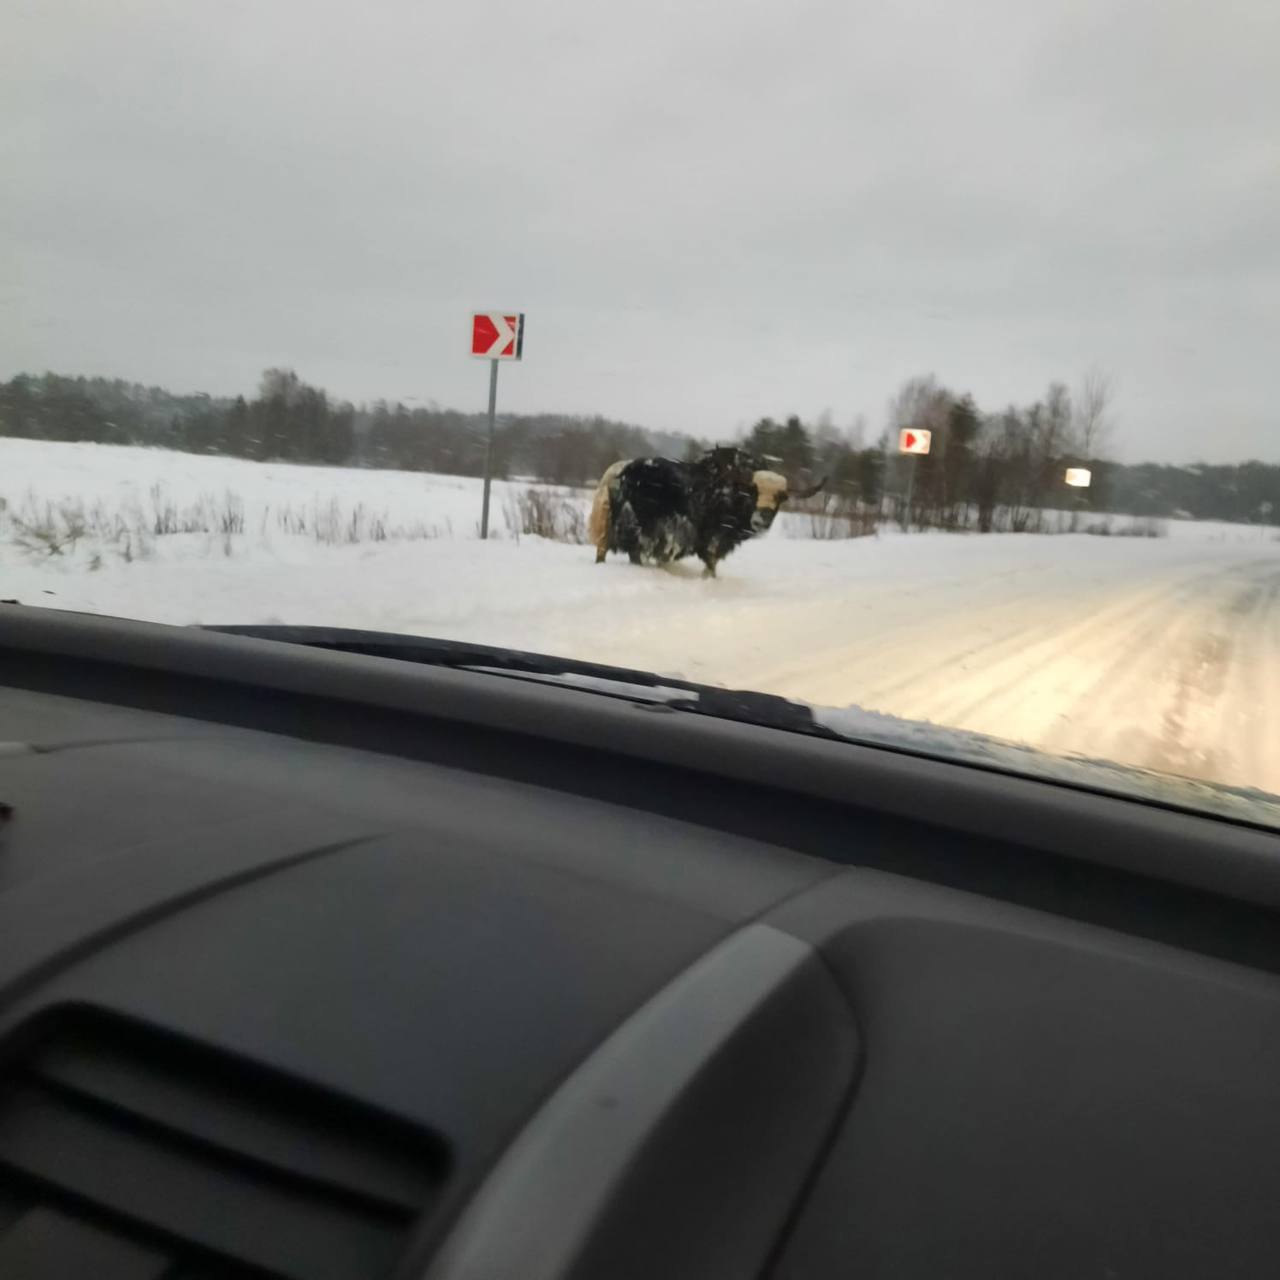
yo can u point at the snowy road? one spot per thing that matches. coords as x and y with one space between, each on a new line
1162 653
1177 669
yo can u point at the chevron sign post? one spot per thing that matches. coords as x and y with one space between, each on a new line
912 441
495 335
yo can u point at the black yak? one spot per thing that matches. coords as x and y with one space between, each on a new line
656 510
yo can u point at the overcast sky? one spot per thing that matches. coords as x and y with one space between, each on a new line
709 212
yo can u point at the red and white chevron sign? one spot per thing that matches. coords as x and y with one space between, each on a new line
497 335
913 440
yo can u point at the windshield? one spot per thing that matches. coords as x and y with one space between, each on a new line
911 361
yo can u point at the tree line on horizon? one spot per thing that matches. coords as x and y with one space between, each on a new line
292 421
1009 462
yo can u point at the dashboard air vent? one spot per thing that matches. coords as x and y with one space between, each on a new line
129 1152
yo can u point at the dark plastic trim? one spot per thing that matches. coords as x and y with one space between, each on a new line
679 1147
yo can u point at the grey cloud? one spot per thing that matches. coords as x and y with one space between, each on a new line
709 211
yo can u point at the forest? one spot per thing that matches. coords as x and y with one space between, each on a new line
988 468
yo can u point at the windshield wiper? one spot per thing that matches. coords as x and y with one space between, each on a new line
745 706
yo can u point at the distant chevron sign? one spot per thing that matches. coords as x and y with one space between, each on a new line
497 335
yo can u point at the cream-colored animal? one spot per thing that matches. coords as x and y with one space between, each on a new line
598 521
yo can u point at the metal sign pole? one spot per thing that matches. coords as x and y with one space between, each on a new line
488 447
911 484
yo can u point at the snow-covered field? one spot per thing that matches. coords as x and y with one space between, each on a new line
1162 653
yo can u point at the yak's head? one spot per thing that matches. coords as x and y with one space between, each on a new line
754 493
770 493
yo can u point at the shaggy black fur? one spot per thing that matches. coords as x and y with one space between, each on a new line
661 510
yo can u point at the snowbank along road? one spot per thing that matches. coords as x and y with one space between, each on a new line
1162 653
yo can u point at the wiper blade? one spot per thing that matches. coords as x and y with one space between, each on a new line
744 706
445 653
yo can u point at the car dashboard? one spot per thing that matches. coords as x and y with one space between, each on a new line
318 965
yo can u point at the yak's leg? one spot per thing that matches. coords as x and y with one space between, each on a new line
600 553
710 562
626 534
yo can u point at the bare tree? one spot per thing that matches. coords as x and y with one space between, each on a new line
1050 422
826 435
1057 419
1019 454
1093 427
920 402
283 384
990 479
